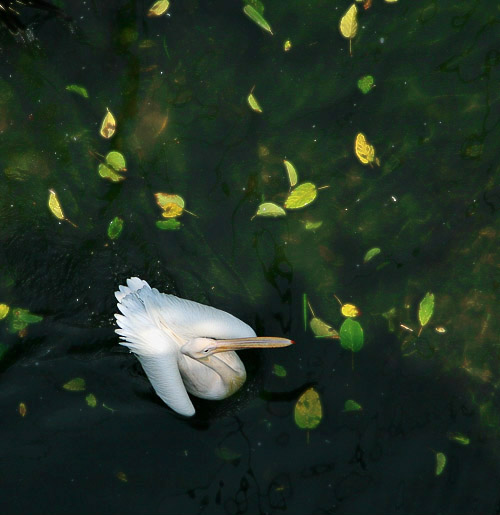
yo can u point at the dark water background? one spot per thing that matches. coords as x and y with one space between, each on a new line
432 207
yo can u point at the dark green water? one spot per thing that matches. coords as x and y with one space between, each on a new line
431 207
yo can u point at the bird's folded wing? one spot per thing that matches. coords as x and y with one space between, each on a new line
163 373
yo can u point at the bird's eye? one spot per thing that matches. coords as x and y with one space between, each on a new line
205 350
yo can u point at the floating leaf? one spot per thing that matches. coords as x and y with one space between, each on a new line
426 309
165 199
21 318
75 385
363 150
311 226
350 310
287 45
391 1
349 24
115 228
4 310
91 400
366 83
122 476
252 102
257 18
227 454
351 405
168 225
440 329
440 463
279 371
270 209
22 409
292 173
459 438
115 163
158 8
108 126
304 309
371 254
308 411
79 90
301 196
351 335
172 210
322 329
55 206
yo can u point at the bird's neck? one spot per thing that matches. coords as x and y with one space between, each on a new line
231 378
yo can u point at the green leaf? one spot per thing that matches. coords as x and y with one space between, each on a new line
459 438
3 349
351 335
168 225
115 163
351 405
292 173
257 5
21 318
366 83
308 411
252 102
426 309
371 254
301 196
115 227
79 90
227 454
279 371
4 310
75 385
304 309
270 209
311 226
322 329
91 400
440 463
257 18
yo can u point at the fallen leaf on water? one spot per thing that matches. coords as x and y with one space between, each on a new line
91 400
158 8
168 225
459 438
113 167
22 409
269 209
292 173
75 385
349 24
350 310
79 90
257 18
351 405
391 1
279 370
440 329
287 45
371 254
55 206
363 150
165 199
366 83
122 476
172 210
21 318
227 454
426 309
311 226
322 329
115 228
351 335
301 196
440 463
108 126
4 310
308 411
252 102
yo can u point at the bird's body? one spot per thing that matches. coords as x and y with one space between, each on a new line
184 346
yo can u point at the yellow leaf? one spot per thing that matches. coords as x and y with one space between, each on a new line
55 206
363 150
108 126
292 173
349 24
164 199
350 310
301 196
158 8
322 329
391 1
287 45
308 411
270 209
252 102
171 210
22 409
4 310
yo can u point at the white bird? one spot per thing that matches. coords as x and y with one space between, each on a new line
184 346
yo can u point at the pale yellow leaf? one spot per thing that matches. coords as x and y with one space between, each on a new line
159 8
363 150
55 206
301 196
308 411
4 310
252 102
171 210
292 173
164 199
270 209
108 126
349 22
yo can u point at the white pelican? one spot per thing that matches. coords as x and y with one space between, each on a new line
178 343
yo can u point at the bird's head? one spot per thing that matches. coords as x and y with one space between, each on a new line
201 348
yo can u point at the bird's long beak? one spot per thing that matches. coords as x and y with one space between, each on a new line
256 342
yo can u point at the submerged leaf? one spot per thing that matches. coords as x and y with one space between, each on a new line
122 476
440 463
227 454
426 308
55 206
115 227
75 385
371 254
4 310
287 45
459 438
252 102
366 83
322 329
168 225
351 335
308 411
311 226
363 150
158 8
301 196
22 409
292 173
257 18
351 405
349 310
270 209
21 318
279 370
91 400
79 90
108 126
